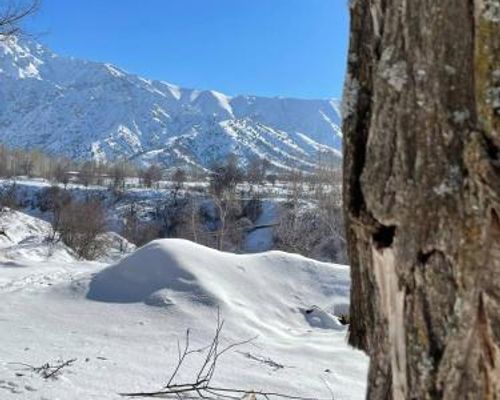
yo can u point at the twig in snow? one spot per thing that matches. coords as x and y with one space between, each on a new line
201 387
47 370
264 360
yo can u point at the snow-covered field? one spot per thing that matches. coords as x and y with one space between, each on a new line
121 322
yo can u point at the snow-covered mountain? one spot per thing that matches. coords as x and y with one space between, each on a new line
84 109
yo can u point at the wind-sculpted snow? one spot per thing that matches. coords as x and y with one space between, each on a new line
122 322
146 273
175 272
85 110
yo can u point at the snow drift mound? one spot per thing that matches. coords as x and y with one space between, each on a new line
16 227
269 288
25 237
142 275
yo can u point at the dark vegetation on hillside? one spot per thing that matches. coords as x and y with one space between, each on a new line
217 209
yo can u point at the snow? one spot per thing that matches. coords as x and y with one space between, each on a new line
114 71
224 101
24 237
82 109
121 322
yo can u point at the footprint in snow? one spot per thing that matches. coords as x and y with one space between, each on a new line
10 386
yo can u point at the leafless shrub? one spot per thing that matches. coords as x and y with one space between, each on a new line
315 232
289 232
80 225
179 178
136 230
272 178
151 176
54 199
9 197
60 172
313 225
172 214
252 208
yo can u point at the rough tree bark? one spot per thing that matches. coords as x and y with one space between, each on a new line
422 195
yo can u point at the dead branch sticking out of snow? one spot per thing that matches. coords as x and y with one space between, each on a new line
47 370
201 387
264 360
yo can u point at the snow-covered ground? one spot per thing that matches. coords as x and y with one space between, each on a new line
121 322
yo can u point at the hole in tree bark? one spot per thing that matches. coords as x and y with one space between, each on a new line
491 148
423 257
384 236
495 219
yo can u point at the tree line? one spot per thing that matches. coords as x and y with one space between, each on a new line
218 214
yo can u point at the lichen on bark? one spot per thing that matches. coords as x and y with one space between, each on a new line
422 196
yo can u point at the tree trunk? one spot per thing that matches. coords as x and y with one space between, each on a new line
422 195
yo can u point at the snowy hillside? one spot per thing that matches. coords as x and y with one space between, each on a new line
84 110
121 323
23 236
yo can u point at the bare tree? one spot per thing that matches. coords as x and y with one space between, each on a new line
119 174
223 183
295 187
80 227
12 13
225 176
87 173
272 178
179 178
151 176
256 171
422 196
60 172
27 165
222 207
54 200
228 207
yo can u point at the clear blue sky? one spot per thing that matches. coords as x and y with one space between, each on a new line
263 47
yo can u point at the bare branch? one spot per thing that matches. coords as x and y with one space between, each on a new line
11 15
201 387
47 370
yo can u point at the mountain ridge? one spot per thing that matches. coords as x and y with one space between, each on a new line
89 110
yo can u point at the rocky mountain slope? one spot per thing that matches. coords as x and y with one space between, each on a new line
84 110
